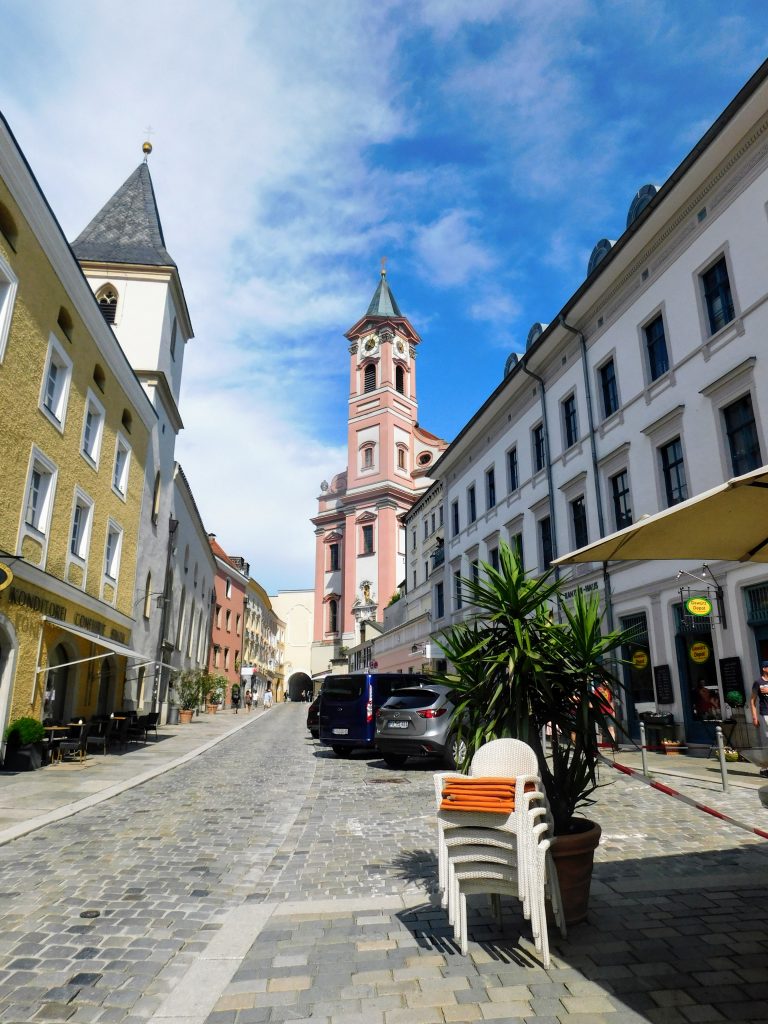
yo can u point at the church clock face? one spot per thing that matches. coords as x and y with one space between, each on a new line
370 344
400 347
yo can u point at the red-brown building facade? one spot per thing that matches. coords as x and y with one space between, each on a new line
228 618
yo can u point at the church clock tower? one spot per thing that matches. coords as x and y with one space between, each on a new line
360 542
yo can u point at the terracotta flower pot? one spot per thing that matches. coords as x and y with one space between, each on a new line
211 709
574 856
185 717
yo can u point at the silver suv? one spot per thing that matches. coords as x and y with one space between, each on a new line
419 722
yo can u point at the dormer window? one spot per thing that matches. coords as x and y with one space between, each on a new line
400 380
107 300
370 378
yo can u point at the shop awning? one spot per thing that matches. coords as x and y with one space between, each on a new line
729 522
96 638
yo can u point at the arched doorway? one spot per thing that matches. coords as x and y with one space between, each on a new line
57 697
8 647
297 684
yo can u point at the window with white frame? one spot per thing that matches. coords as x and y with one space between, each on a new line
55 387
122 463
112 551
80 535
8 285
93 429
41 485
228 588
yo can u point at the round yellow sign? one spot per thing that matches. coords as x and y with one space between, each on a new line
640 659
6 576
699 652
699 606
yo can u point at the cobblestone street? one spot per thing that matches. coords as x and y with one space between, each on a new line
265 880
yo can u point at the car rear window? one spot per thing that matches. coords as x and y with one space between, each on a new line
407 700
344 689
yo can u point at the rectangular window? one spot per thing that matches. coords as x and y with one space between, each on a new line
237 625
539 448
622 512
413 540
471 504
440 516
493 558
426 528
415 584
218 616
216 656
226 657
455 525
368 540
432 523
717 295
112 552
122 463
545 538
579 521
475 566
570 425
228 620
656 346
8 286
673 468
333 557
81 528
490 488
608 389
513 480
56 379
40 490
516 543
457 595
439 601
741 430
426 570
93 425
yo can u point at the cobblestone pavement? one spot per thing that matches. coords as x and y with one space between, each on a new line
268 881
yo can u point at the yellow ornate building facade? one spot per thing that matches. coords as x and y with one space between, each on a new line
74 430
263 644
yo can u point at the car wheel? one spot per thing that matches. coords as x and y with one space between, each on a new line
342 751
394 760
456 754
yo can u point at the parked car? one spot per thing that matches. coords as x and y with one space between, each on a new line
348 706
313 718
419 722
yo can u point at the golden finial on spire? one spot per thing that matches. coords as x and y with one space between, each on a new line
146 149
383 266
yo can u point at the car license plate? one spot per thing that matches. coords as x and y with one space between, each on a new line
340 732
397 725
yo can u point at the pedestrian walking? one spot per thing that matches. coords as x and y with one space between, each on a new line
235 697
267 699
248 700
759 705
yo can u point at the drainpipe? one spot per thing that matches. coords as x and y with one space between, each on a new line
540 381
595 473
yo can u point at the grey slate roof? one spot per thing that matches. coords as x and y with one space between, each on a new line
383 302
127 229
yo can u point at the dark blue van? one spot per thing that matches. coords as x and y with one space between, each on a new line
348 706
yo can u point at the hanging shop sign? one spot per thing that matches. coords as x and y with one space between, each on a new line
699 652
698 606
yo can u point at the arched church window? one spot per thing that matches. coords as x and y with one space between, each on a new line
401 458
368 457
107 300
400 380
370 377
333 616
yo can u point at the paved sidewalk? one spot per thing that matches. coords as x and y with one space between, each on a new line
30 800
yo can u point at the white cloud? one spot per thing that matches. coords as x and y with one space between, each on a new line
450 251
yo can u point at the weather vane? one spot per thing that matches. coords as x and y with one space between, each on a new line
383 266
147 146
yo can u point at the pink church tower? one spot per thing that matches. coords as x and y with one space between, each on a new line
360 543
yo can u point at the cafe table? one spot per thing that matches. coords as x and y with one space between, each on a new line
51 730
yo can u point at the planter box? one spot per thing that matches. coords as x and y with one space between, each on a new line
23 759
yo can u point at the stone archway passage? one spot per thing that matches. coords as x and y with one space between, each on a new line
298 682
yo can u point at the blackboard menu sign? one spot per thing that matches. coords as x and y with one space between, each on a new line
663 679
730 674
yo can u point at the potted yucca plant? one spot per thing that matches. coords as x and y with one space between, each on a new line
521 673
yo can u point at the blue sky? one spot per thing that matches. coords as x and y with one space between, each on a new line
482 146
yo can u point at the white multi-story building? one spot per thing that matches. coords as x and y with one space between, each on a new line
646 388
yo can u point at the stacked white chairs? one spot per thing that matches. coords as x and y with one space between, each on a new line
498 854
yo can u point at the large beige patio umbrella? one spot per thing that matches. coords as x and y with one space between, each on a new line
730 522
